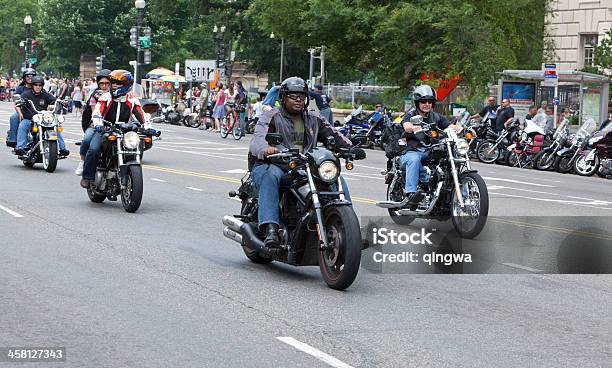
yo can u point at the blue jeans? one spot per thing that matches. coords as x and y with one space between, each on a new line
411 162
91 158
328 115
242 120
22 135
267 179
13 127
89 133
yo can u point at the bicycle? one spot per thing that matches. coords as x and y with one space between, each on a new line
231 123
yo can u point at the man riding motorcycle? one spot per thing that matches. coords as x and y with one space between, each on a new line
113 106
300 129
42 100
411 145
25 85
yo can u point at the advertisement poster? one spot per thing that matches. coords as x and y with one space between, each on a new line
591 102
521 96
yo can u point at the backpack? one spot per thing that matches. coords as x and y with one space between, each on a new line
391 136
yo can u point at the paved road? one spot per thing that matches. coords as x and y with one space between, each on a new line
164 288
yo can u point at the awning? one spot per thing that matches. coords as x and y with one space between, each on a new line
574 76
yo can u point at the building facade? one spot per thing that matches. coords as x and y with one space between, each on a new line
575 27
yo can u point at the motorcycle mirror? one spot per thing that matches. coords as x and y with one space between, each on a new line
416 120
274 139
330 143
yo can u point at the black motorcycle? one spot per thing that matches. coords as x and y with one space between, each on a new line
318 224
452 188
118 170
545 159
495 147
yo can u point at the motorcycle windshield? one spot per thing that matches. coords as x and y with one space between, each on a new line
587 128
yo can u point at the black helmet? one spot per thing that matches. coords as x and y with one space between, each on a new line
28 71
38 80
104 73
292 85
423 93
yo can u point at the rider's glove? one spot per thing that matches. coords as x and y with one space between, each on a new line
99 128
359 153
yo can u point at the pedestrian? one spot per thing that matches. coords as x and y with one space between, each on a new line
490 108
219 109
505 115
564 115
322 101
77 97
543 107
242 102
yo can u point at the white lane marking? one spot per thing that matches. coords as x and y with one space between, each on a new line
158 180
521 267
10 211
235 171
590 199
593 204
495 187
326 358
206 148
517 182
532 178
358 175
194 189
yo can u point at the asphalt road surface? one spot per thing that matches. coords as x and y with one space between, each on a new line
164 288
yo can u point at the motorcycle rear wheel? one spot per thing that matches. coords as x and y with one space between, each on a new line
397 195
93 196
339 265
253 255
564 164
474 189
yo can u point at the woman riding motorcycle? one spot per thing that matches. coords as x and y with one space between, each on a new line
114 106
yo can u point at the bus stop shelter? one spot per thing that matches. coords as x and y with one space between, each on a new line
591 92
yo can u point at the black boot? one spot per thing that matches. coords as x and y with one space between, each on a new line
414 199
271 240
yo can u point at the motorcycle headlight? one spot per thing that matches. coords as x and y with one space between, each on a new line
328 171
462 147
131 140
48 118
60 118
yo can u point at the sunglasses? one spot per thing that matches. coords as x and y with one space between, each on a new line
430 102
296 97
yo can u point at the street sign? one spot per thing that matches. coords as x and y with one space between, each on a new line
200 70
550 75
556 101
33 60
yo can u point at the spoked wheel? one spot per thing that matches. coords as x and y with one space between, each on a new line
49 155
396 194
564 164
224 127
339 264
513 159
544 160
470 219
236 131
131 194
195 122
487 153
583 167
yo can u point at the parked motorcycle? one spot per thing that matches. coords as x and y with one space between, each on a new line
452 188
355 125
599 158
522 153
494 148
378 121
118 170
545 159
564 162
43 146
318 225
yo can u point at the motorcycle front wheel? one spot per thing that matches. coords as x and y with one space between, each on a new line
544 160
131 194
470 219
339 264
49 155
584 168
564 164
486 152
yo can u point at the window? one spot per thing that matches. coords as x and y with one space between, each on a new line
589 41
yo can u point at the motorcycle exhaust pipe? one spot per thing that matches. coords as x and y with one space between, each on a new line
245 232
231 234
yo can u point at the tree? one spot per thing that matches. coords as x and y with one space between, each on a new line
13 31
602 60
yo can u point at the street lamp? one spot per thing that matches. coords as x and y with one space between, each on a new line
28 44
280 74
140 5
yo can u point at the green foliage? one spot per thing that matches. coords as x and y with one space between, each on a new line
603 56
13 31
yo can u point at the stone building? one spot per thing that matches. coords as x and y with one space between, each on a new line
575 27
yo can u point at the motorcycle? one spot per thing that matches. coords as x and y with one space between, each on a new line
355 125
599 158
43 146
494 148
564 162
545 159
201 114
377 121
118 169
318 225
531 141
452 188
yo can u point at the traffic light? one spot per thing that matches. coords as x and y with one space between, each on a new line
147 57
221 54
34 46
134 37
99 60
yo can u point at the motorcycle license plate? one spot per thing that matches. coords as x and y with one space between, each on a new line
52 136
